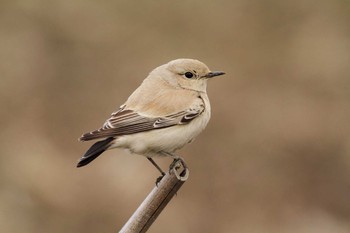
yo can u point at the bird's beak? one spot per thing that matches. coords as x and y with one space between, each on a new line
212 74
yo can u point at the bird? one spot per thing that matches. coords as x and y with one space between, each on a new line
167 111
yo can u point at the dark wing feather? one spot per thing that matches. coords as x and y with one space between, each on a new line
124 122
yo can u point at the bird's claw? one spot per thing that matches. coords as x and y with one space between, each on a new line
159 178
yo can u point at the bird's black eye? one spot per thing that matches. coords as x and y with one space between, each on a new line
189 75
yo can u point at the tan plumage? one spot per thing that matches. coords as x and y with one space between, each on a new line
168 110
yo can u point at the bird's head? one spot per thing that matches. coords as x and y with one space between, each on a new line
187 74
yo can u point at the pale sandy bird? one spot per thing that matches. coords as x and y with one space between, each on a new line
167 111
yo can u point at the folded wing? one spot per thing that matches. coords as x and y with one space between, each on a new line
125 122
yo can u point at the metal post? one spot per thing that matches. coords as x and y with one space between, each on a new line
156 201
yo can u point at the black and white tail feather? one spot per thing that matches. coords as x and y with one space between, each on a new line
94 151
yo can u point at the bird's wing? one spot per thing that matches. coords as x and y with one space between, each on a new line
125 121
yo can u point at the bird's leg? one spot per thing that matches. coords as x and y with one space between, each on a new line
176 159
156 165
159 169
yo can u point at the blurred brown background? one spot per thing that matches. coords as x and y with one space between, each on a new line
274 158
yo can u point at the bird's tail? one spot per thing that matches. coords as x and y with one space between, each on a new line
94 151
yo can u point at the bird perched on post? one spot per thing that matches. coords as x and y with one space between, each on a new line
167 111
